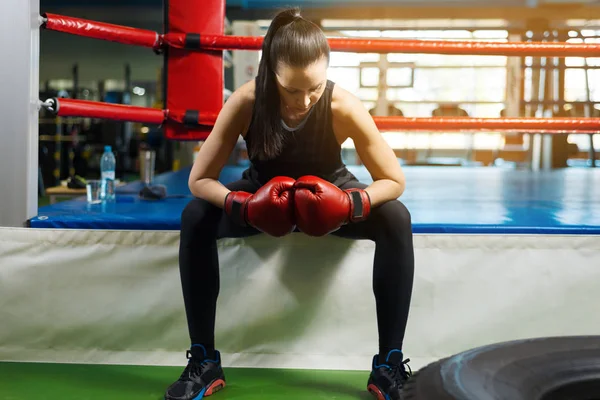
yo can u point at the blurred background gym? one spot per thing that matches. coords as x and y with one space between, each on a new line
413 85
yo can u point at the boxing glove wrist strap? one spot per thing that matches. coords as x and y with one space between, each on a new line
360 204
235 207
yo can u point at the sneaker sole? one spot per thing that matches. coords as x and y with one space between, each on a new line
215 387
374 390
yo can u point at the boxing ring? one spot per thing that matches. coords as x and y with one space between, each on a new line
448 200
500 254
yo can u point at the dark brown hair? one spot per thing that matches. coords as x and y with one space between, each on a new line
290 40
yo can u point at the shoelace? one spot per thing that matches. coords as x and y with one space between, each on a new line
399 372
194 367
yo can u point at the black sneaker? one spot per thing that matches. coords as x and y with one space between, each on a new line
387 378
202 377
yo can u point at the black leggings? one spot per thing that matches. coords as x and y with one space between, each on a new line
389 226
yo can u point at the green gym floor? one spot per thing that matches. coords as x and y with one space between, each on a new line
111 382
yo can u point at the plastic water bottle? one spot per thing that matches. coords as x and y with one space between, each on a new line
108 165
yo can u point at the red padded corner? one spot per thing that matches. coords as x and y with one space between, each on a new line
193 79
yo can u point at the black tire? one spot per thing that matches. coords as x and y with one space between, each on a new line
553 368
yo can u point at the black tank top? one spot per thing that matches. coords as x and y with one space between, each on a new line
309 149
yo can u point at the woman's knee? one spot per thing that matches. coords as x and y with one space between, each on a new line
393 217
199 213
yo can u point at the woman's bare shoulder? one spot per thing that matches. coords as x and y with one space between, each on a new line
245 95
343 102
240 105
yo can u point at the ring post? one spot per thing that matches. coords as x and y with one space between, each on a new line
194 79
19 80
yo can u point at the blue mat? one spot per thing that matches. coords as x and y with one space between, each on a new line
440 199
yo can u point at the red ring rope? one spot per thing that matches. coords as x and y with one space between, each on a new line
115 112
147 38
103 31
119 112
361 45
572 125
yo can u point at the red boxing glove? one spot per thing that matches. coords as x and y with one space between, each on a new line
269 209
322 208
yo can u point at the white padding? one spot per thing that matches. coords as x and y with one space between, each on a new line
296 302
